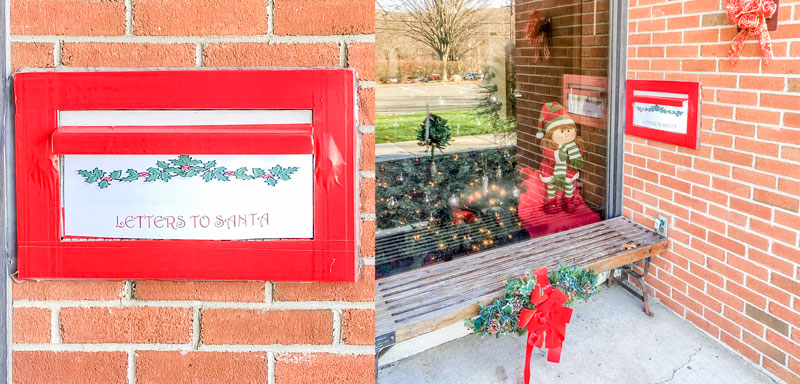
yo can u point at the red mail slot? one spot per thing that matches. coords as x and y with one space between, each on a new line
187 174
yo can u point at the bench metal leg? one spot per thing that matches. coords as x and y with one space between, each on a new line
383 343
640 278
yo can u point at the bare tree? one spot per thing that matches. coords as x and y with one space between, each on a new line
443 25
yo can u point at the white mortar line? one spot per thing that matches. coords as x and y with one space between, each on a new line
343 55
270 17
196 327
57 47
268 292
198 54
337 326
339 349
131 367
367 174
366 128
275 305
55 326
366 217
129 17
330 39
270 367
367 261
366 84
127 290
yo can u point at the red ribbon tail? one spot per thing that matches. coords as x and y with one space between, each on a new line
528 352
766 45
554 354
736 46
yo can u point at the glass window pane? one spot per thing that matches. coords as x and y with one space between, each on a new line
491 126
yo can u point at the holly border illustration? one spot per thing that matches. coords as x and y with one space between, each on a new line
185 166
660 109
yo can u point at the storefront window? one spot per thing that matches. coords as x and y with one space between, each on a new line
491 125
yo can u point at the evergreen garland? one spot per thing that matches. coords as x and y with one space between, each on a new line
502 316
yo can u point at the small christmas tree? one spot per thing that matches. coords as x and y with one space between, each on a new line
434 133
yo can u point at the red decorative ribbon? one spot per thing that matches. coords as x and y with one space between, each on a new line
538 38
751 16
547 323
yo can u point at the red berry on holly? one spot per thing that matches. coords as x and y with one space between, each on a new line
185 168
107 178
143 174
207 170
229 173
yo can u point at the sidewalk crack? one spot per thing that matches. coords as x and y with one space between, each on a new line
674 371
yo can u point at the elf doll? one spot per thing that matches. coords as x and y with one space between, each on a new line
562 149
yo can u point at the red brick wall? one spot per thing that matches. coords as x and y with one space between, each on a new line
734 261
211 332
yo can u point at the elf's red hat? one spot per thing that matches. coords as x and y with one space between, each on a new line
553 115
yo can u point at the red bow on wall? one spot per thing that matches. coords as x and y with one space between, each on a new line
751 16
547 323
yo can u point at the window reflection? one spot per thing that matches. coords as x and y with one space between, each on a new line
490 130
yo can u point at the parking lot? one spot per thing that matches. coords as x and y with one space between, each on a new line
409 98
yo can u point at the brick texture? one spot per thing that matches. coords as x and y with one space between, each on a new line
358 326
31 325
245 326
35 55
164 323
344 17
203 17
362 58
68 290
127 55
734 258
297 368
363 290
249 291
126 325
36 367
173 367
271 55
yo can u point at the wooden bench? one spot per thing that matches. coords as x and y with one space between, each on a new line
413 303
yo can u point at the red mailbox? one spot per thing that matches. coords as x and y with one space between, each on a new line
219 174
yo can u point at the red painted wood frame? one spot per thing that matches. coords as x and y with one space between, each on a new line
590 81
690 139
329 94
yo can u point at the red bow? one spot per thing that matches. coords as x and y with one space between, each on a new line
547 323
751 16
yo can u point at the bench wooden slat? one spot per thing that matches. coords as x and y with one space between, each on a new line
437 269
416 302
490 274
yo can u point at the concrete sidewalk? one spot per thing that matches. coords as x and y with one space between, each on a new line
610 340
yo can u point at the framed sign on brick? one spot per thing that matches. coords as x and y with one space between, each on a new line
223 174
666 111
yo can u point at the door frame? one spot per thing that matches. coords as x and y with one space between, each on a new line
8 235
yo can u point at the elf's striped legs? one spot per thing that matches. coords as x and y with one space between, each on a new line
569 189
551 191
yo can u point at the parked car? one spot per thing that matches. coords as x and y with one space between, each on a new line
433 77
473 76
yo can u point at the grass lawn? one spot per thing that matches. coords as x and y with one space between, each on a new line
396 128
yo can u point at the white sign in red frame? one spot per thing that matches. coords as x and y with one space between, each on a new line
330 96
677 101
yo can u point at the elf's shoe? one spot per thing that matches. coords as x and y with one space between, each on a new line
551 206
569 204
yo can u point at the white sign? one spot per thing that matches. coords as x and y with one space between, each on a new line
589 106
204 197
664 118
